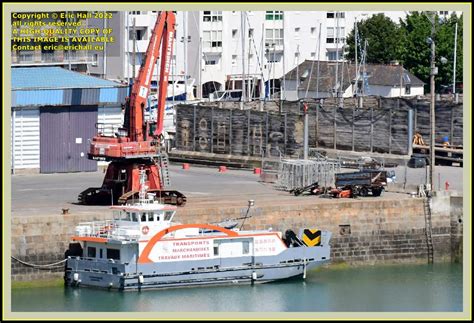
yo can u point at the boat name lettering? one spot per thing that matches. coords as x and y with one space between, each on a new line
265 249
190 243
185 256
264 241
191 249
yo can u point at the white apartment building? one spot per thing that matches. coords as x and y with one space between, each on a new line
218 49
259 46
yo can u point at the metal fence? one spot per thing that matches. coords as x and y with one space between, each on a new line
294 173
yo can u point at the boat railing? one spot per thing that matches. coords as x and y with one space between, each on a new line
111 229
96 228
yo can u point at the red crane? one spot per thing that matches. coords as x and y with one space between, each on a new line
137 145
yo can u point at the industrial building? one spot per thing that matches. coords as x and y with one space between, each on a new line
54 112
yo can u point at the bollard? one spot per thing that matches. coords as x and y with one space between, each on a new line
185 166
222 169
257 170
446 185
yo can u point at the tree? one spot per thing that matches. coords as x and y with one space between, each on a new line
383 36
445 48
415 51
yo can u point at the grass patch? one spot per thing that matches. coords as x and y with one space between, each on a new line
57 282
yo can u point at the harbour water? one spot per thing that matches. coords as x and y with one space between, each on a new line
387 288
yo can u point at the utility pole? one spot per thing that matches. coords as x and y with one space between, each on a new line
68 45
127 22
319 58
200 69
242 27
433 72
455 48
401 79
306 131
283 93
134 46
105 50
297 70
336 33
274 50
185 49
262 82
355 46
250 82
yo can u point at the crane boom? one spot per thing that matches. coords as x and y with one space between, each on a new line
139 140
138 148
162 34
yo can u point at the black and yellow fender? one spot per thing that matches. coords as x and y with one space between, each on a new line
311 237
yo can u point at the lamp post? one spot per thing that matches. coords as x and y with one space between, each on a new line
433 72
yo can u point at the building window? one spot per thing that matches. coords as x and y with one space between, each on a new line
274 15
212 16
234 60
335 34
234 33
334 55
91 252
313 31
297 57
330 35
297 32
140 34
95 59
211 60
313 54
26 55
407 88
245 247
273 37
113 254
337 14
273 57
212 38
250 32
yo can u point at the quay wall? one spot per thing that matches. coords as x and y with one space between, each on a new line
365 231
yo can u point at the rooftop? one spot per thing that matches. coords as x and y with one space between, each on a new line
378 74
33 78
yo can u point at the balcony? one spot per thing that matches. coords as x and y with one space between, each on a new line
140 47
141 20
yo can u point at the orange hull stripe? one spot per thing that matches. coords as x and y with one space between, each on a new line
144 257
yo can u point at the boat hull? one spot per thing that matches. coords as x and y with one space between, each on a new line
294 262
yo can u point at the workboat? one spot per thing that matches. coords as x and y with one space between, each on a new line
143 248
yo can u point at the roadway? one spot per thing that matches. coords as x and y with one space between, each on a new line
48 194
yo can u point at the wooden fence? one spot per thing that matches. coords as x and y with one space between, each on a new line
375 125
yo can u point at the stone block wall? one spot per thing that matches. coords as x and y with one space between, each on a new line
364 231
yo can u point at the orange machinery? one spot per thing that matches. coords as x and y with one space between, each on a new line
138 144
